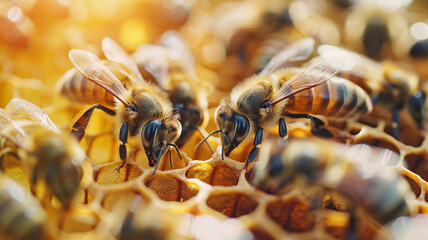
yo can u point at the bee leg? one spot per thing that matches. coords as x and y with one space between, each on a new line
170 158
256 145
79 127
318 128
317 125
282 129
123 138
352 227
395 124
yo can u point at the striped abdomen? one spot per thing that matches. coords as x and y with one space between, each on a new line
360 81
337 97
77 88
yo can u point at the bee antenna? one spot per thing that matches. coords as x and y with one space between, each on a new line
222 148
206 138
176 148
157 164
170 158
200 132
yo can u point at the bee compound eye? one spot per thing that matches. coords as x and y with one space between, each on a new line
265 104
133 107
242 127
150 131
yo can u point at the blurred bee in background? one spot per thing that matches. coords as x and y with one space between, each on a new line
361 173
372 26
279 28
21 215
261 101
388 84
141 109
172 66
46 154
136 227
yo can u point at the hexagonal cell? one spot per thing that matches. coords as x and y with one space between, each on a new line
107 174
232 204
417 163
83 219
409 136
218 175
102 148
111 198
169 188
413 183
82 197
291 214
378 142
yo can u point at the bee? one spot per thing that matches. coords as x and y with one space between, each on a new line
172 64
388 84
360 172
261 101
44 152
21 215
140 108
372 26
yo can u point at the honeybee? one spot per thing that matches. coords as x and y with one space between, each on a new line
372 26
21 215
261 101
43 151
172 64
387 83
140 108
360 172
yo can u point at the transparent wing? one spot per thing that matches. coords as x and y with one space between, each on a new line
154 59
297 51
10 130
179 51
370 160
114 52
90 66
23 109
310 77
354 63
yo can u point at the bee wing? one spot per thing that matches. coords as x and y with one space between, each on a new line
179 51
370 160
154 60
312 76
114 52
297 51
90 66
6 123
354 63
23 109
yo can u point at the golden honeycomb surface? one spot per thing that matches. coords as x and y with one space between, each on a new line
198 195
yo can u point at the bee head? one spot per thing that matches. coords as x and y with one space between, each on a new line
158 136
234 127
191 117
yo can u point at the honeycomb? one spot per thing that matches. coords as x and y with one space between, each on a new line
198 195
